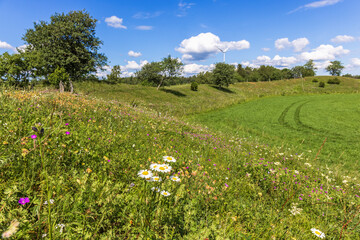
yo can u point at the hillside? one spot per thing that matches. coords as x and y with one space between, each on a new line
88 159
180 100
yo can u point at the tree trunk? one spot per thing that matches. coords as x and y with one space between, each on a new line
160 83
61 87
71 86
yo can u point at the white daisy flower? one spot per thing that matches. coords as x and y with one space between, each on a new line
165 193
164 168
156 179
145 173
277 163
155 189
175 179
169 159
308 164
51 201
318 233
149 179
154 166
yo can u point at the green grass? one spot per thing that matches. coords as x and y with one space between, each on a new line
299 122
92 150
181 101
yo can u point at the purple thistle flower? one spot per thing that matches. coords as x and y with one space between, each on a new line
23 201
67 133
33 136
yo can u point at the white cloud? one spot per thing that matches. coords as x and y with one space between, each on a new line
276 61
343 38
316 4
298 44
322 65
104 73
193 68
115 22
132 65
202 46
146 15
265 49
183 7
324 52
131 53
5 45
143 27
355 62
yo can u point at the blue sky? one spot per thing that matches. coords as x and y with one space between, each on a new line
281 33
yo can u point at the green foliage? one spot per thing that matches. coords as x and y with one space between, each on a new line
223 74
59 75
335 68
334 81
315 80
114 76
309 69
68 41
150 74
14 69
204 78
194 86
321 84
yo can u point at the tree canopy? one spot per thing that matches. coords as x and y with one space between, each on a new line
335 68
223 74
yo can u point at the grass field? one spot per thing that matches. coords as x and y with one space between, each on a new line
85 176
299 122
181 101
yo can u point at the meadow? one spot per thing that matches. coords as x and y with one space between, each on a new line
117 165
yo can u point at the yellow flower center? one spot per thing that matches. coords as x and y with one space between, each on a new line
169 158
165 193
317 233
161 168
145 173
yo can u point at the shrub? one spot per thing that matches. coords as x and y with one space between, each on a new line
194 86
321 84
333 81
315 80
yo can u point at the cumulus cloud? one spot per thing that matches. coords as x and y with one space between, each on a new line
132 65
316 4
276 61
144 28
298 44
265 49
343 38
115 22
324 52
131 53
5 45
354 63
204 45
193 68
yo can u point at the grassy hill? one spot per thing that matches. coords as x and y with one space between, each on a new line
181 101
82 174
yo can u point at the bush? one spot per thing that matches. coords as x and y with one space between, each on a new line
315 80
321 84
333 81
194 86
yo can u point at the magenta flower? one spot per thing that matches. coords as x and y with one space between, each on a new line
226 185
66 124
67 133
22 201
33 136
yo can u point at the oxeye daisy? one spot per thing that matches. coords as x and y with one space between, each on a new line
165 193
167 168
169 159
161 168
155 189
318 233
149 179
145 173
175 179
154 166
156 179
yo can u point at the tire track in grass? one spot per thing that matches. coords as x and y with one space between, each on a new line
281 119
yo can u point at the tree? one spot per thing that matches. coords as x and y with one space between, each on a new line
309 69
335 68
68 42
150 74
298 71
59 77
14 69
170 67
223 74
114 76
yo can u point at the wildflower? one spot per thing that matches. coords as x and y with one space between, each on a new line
294 209
33 136
66 124
308 164
318 233
88 170
169 159
61 227
23 201
155 189
226 185
44 235
175 179
149 179
67 133
154 166
276 163
296 172
165 193
12 229
156 179
145 173
51 201
164 168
